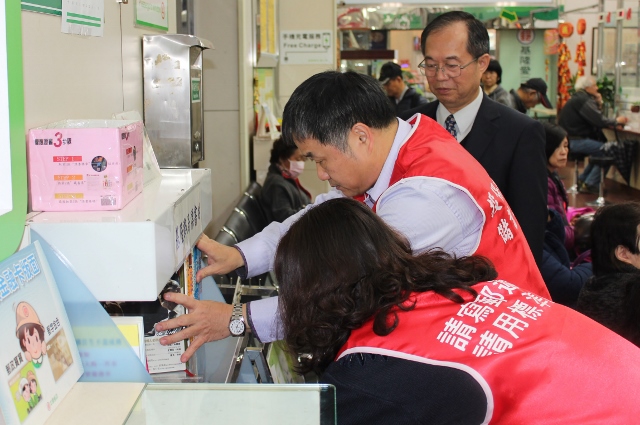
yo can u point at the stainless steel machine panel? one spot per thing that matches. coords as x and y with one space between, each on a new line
173 108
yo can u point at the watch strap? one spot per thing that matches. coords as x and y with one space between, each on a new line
237 315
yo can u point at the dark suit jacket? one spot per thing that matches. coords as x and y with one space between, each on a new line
511 147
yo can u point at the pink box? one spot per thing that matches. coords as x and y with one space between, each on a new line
83 165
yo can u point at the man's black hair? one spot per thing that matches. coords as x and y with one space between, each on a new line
326 106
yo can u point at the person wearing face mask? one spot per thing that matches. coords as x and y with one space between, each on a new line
282 194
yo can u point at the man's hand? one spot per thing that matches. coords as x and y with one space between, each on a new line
221 259
207 321
622 120
598 98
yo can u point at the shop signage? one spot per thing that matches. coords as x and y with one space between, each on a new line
49 7
83 17
152 14
526 37
306 47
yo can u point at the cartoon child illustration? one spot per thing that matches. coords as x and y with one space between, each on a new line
33 388
24 391
30 333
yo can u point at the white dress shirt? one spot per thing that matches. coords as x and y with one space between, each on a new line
464 117
430 212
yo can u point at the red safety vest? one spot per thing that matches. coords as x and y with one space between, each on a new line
431 151
538 362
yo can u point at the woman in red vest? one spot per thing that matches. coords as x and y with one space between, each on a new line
435 339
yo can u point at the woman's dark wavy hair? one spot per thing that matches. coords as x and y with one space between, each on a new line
340 265
281 150
327 105
614 225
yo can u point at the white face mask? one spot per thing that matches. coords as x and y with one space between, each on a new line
296 168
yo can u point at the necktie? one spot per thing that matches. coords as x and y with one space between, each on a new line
450 125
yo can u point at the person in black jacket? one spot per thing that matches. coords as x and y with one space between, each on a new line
563 281
282 194
400 94
509 145
612 296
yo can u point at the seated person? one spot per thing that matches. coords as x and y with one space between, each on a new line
432 338
282 194
563 278
581 239
612 296
557 149
583 120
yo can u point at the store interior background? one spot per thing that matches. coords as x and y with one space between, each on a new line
75 77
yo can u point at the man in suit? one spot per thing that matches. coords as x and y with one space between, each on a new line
508 144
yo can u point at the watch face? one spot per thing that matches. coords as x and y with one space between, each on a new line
236 327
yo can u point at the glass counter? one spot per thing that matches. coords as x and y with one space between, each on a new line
282 404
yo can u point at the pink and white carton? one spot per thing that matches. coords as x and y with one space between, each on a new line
84 165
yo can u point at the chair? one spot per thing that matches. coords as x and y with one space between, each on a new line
253 189
604 162
226 237
250 206
238 225
576 158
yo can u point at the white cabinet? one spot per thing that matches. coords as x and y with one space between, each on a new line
128 255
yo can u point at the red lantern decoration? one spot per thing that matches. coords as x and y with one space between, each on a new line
582 26
565 29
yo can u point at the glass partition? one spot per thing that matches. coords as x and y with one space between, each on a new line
294 404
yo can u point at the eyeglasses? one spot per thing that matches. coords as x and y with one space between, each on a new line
450 70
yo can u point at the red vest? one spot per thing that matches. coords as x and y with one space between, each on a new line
431 151
538 362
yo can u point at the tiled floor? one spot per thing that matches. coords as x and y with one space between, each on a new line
614 192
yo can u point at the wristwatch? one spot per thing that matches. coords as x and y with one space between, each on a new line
236 324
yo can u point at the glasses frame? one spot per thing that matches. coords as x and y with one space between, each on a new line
423 68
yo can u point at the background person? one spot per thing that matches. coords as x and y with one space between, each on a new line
414 175
491 79
557 150
509 145
400 94
612 296
563 277
426 339
582 118
282 194
529 94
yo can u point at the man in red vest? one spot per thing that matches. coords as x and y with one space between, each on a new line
414 175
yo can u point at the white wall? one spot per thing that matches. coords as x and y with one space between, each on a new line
70 76
305 15
218 22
